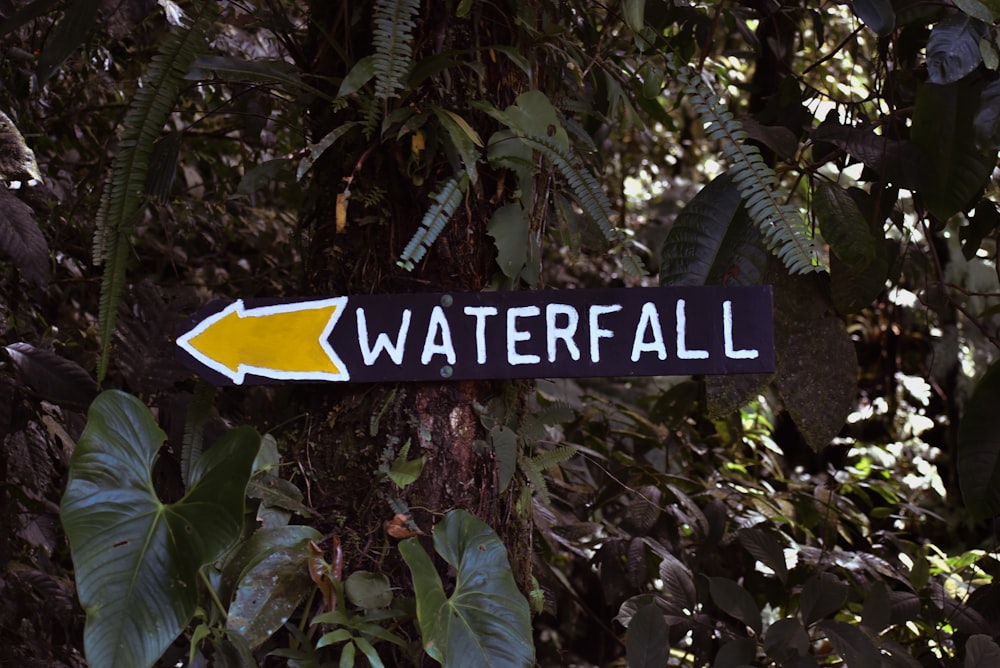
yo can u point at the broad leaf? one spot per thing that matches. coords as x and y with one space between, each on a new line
646 640
486 621
765 548
859 264
678 584
786 640
21 239
738 653
980 650
736 602
136 558
817 362
509 229
822 595
68 35
876 14
504 442
52 377
979 447
953 48
368 590
987 120
713 242
233 68
852 644
271 589
900 161
943 127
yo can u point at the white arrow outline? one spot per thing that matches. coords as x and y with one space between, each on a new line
237 307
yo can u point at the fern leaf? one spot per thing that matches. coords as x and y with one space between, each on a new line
535 477
589 194
445 204
550 458
394 21
122 199
782 226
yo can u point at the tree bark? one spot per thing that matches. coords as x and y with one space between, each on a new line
355 430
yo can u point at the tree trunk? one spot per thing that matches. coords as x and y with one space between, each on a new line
358 429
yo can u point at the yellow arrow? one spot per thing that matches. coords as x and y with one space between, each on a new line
284 341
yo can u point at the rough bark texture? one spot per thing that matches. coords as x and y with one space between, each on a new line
355 430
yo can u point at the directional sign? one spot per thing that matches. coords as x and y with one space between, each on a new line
484 335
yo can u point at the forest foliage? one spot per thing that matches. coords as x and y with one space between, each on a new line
836 512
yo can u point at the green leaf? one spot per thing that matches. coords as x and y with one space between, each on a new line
786 640
979 447
818 364
509 229
136 558
987 119
987 13
123 196
368 590
738 653
446 201
953 48
486 621
22 240
262 175
876 615
678 585
980 650
852 644
271 589
876 14
50 376
859 264
504 442
360 74
392 36
765 548
634 12
256 548
404 472
736 602
647 638
233 68
943 126
713 242
320 147
464 139
68 35
822 595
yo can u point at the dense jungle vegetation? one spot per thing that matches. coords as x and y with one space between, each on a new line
159 155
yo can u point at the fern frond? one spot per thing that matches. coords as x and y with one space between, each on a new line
588 193
394 21
784 230
549 458
122 199
535 477
445 204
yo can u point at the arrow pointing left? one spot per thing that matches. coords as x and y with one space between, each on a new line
283 341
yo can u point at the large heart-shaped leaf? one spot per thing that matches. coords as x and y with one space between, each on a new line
486 621
979 447
137 558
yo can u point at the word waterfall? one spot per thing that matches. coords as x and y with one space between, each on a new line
485 335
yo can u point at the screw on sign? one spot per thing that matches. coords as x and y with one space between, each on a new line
484 335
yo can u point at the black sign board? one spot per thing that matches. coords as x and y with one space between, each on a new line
484 335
